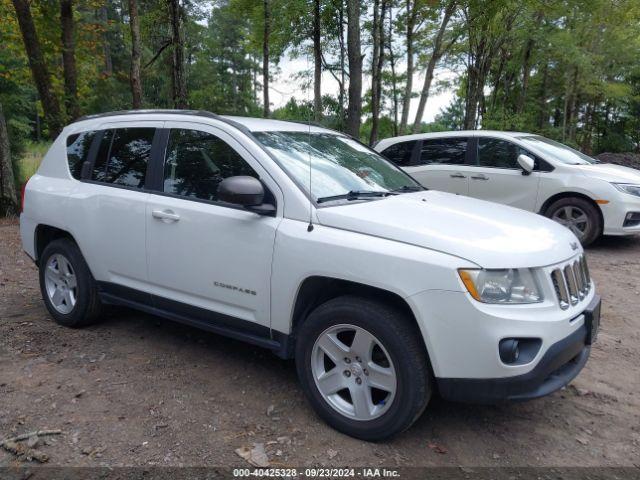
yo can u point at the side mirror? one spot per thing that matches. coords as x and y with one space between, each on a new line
245 191
526 163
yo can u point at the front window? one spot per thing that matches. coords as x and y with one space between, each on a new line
340 166
558 151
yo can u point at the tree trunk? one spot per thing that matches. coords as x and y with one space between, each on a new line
8 198
354 110
69 60
265 58
342 64
374 71
543 114
103 17
435 57
136 83
526 72
38 66
177 63
394 81
408 88
317 56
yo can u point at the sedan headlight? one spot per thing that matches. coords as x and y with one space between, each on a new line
513 285
629 188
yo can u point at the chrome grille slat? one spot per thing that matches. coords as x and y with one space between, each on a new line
571 282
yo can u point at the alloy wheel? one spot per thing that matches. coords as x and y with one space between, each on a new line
574 218
353 372
61 283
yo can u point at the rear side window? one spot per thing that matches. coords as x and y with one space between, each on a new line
496 153
444 151
400 153
196 162
123 156
78 146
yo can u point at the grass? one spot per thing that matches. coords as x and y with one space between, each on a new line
31 159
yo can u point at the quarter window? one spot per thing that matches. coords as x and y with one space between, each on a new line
496 153
123 156
400 153
196 162
444 151
78 146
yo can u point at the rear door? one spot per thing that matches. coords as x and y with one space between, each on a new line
498 177
441 164
111 204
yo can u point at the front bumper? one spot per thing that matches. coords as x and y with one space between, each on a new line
560 364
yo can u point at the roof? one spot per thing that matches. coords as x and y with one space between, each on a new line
456 133
252 124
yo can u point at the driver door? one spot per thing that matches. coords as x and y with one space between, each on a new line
204 255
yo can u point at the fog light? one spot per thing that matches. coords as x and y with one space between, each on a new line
509 351
632 219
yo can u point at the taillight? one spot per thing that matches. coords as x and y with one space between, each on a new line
24 187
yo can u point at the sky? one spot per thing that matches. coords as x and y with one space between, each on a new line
285 85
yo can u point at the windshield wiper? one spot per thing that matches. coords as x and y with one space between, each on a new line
409 188
354 195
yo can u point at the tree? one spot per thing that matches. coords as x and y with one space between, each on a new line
69 60
317 59
379 12
265 58
439 49
177 59
39 68
413 9
136 54
354 110
8 198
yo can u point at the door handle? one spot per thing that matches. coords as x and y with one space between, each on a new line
165 215
457 175
480 177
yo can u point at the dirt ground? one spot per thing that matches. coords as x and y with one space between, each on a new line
136 390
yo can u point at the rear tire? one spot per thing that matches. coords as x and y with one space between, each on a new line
578 215
386 383
68 289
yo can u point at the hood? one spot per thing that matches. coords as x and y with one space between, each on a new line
487 234
610 172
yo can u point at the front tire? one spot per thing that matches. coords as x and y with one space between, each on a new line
68 288
363 367
578 215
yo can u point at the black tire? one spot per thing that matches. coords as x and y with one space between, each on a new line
593 228
88 307
400 337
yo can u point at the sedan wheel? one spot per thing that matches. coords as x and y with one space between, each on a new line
574 218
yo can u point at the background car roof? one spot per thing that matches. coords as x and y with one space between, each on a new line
455 133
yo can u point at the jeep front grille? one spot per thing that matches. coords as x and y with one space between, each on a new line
571 282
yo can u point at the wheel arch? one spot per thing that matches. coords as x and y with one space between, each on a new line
45 234
571 194
316 290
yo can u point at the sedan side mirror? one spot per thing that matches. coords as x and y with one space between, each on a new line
526 163
245 191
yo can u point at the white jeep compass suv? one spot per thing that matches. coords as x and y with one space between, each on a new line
525 171
304 241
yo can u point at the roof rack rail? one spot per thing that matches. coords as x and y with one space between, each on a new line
198 113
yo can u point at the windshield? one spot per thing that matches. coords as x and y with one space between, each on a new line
340 166
558 151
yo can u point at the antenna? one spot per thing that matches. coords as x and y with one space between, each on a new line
310 226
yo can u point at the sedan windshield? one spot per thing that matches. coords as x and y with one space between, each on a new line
341 168
558 151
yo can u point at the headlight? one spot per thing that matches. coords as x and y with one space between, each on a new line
514 285
629 188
